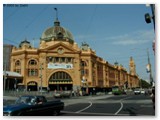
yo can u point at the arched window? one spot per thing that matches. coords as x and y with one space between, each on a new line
32 68
32 62
17 67
84 69
17 63
83 63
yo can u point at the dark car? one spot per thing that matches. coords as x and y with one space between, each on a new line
33 106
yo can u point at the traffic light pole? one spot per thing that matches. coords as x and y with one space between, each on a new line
148 17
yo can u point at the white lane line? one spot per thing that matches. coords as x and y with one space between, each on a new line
121 105
85 107
119 109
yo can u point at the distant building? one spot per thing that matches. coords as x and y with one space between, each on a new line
59 64
7 49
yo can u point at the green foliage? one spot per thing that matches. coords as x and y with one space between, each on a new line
144 84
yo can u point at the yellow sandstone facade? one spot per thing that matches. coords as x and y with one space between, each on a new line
59 64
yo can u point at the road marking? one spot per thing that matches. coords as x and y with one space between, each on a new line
121 105
119 109
85 107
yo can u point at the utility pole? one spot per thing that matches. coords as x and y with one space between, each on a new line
150 70
41 76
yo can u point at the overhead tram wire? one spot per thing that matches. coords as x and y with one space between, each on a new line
10 15
12 41
32 21
90 21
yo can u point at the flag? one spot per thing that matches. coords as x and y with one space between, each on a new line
148 68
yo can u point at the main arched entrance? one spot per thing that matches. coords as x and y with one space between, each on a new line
32 86
60 81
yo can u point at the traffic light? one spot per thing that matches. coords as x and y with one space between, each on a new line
147 18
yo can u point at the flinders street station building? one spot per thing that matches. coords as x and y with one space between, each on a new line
59 64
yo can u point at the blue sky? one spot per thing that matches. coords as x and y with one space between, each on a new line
115 31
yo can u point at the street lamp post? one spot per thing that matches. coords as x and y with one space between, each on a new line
41 77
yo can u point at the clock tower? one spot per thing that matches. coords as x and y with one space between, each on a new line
132 66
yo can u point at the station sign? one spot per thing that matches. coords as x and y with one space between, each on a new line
59 66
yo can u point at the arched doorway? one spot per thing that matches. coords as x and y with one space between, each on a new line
32 86
60 81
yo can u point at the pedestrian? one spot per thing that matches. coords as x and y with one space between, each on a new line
48 89
80 92
72 93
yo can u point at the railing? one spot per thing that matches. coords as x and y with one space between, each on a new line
20 93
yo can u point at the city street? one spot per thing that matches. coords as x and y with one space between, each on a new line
122 105
79 59
106 105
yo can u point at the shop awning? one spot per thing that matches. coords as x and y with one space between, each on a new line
11 74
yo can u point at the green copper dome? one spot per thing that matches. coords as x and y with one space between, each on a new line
57 32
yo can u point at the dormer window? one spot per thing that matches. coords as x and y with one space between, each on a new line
60 35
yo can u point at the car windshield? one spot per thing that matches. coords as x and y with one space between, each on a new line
24 99
137 89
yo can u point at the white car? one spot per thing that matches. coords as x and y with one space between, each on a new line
137 91
142 91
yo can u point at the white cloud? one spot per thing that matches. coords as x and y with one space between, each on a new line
138 37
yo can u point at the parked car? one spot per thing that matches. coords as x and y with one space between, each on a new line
142 91
57 95
43 91
33 106
62 94
137 91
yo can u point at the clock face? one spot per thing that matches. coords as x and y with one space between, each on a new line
60 50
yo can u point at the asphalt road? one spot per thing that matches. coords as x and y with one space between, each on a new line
106 105
120 105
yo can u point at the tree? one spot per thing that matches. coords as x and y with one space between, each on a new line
144 84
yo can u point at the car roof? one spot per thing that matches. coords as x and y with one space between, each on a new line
32 96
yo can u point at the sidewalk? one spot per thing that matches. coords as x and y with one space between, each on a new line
90 97
81 99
